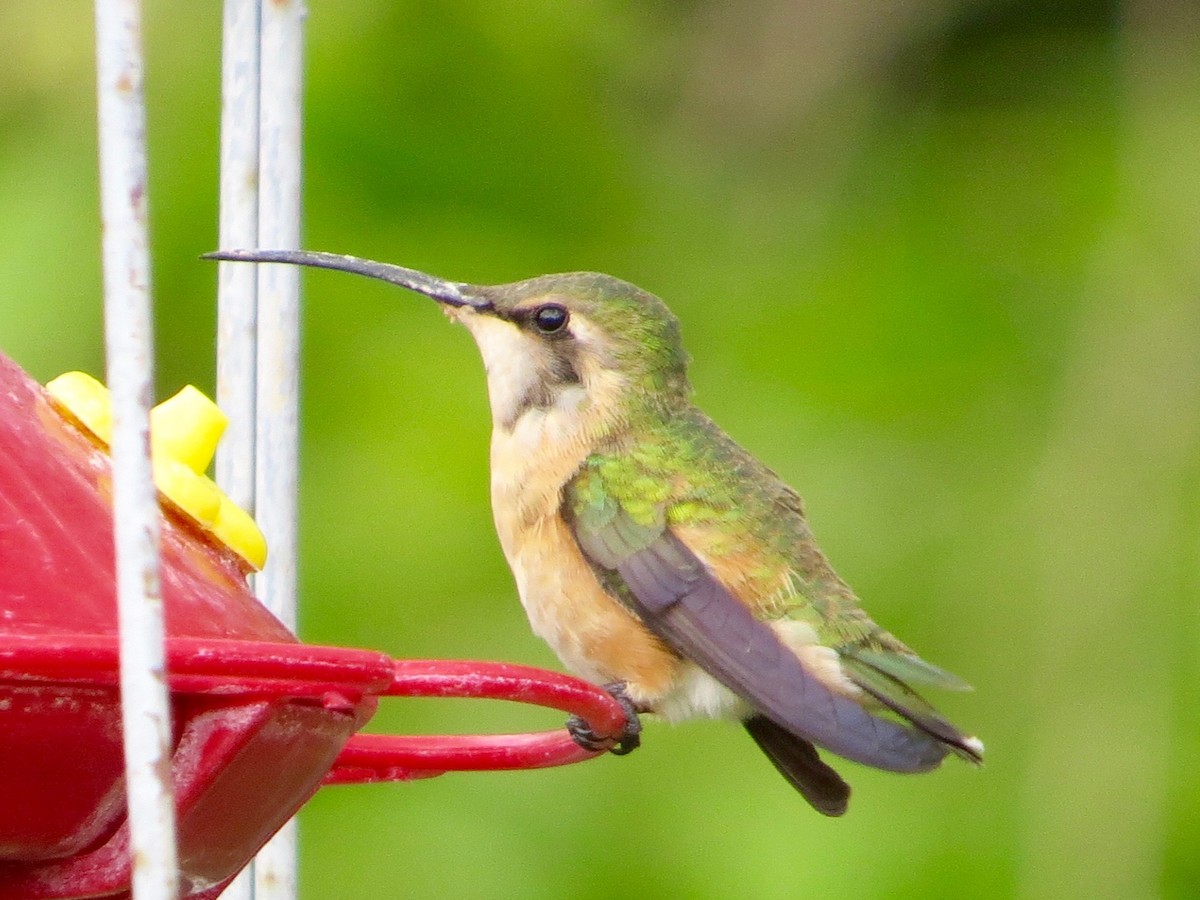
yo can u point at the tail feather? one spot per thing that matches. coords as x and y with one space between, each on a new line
908 668
881 682
798 762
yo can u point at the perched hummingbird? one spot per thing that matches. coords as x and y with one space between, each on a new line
657 556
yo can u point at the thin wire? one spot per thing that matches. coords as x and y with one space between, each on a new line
237 286
145 706
277 405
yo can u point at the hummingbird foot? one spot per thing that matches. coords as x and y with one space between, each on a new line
631 738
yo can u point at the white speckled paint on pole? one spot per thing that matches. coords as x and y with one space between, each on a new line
277 406
146 716
237 286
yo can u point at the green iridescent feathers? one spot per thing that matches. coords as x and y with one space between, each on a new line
680 472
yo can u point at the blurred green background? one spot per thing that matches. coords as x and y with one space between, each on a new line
937 263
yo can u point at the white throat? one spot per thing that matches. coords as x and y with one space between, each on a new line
537 447
508 359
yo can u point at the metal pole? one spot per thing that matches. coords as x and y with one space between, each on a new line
277 431
145 704
237 287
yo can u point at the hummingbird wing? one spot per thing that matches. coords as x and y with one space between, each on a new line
676 596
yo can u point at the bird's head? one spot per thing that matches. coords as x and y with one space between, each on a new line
551 342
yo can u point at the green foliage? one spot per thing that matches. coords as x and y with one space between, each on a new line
938 272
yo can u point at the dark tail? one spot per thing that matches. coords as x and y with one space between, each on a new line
797 761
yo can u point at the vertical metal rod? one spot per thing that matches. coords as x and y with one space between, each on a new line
237 286
277 432
145 706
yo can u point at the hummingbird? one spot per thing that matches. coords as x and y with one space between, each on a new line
655 555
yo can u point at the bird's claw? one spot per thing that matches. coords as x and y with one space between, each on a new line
583 735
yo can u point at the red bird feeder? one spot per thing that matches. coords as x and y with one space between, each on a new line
260 719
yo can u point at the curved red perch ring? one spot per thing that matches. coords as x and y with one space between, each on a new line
340 678
371 757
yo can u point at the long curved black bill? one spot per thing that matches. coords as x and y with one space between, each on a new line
449 292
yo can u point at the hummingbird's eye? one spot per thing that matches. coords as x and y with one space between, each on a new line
550 318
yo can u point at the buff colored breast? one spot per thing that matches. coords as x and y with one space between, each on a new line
592 633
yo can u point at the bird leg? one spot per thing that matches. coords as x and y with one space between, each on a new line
630 738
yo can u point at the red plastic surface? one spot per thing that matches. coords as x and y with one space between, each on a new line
260 719
60 749
256 715
56 543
